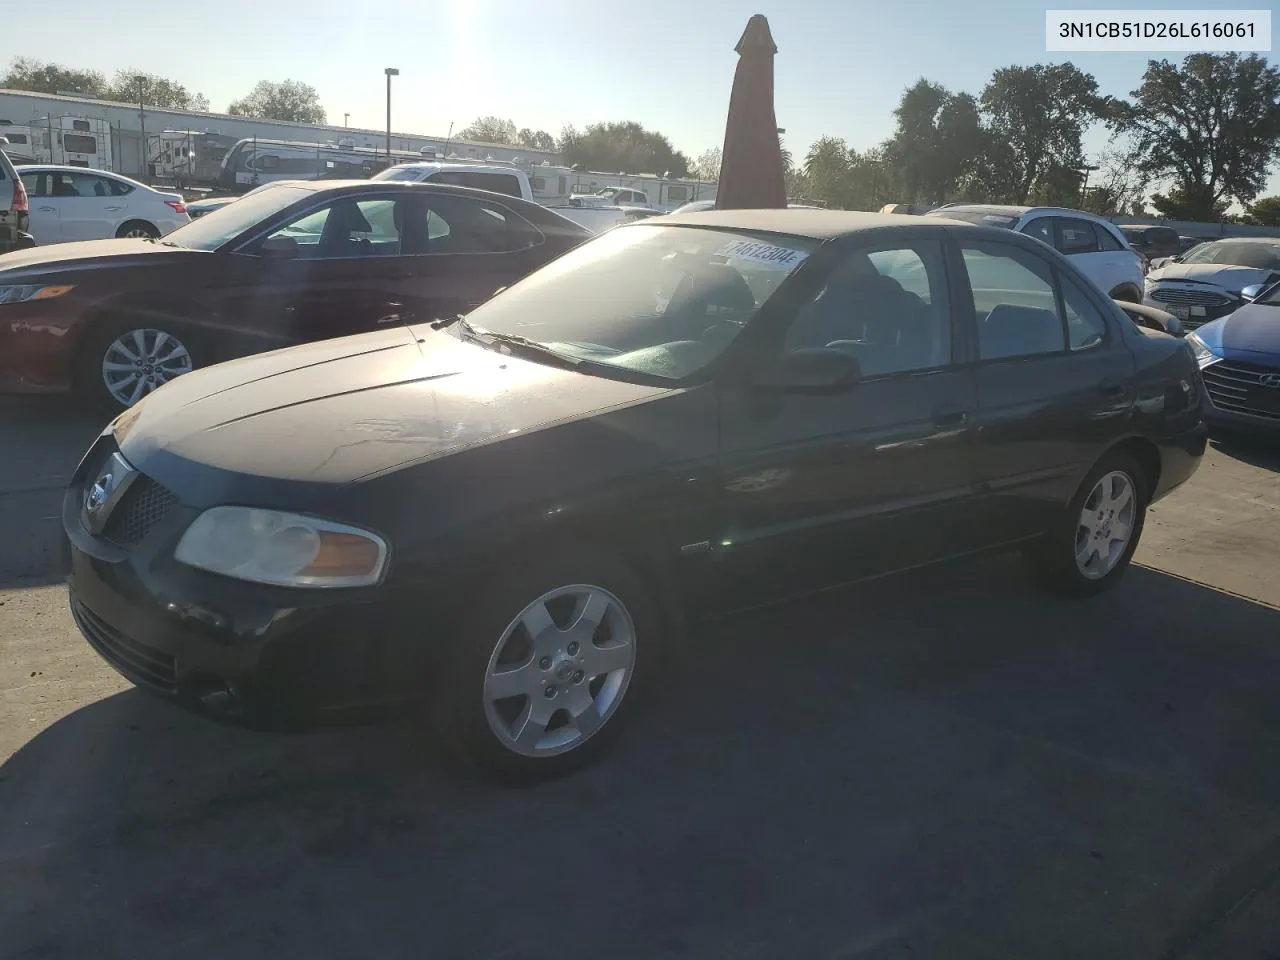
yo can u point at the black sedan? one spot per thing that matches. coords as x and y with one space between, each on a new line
512 515
296 262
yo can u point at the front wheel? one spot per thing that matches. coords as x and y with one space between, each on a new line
539 681
1090 547
126 360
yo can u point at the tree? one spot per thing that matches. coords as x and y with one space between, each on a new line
491 130
1040 112
288 100
707 166
1267 211
1117 187
28 74
536 139
938 141
624 147
1189 202
1212 127
134 86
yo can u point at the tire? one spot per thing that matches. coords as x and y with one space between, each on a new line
591 676
131 338
1056 561
138 228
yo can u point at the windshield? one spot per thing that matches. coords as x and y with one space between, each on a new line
218 226
1262 256
661 301
398 173
986 218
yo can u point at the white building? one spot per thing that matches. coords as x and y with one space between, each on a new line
130 125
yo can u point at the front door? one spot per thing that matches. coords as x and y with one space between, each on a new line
822 489
1054 384
46 225
86 206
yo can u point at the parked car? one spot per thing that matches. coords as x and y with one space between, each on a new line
1151 242
1239 357
1095 245
74 203
496 177
198 208
1214 279
701 206
511 515
298 262
14 234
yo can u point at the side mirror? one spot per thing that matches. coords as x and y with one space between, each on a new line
1250 293
813 370
278 248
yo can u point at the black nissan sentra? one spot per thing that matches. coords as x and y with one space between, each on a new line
511 515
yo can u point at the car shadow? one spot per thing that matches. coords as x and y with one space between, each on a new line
948 762
1256 451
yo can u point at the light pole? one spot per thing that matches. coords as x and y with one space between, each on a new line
390 72
345 118
1086 169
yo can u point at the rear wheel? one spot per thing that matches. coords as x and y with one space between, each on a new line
131 357
543 668
1091 546
138 229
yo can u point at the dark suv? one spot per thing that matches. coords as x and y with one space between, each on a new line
14 217
1153 242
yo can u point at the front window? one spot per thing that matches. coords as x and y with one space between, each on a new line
1261 256
220 226
658 301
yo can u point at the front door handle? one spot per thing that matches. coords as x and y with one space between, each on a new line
951 418
48 209
113 209
1112 389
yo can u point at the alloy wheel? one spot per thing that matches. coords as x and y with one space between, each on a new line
1106 525
141 361
139 233
559 671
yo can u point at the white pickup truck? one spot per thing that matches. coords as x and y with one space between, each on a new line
515 183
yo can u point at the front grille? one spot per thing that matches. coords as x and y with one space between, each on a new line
1197 298
140 663
145 504
1237 387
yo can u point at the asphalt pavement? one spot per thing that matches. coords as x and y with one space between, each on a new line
945 764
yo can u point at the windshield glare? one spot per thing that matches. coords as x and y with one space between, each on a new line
661 301
1262 256
218 226
398 173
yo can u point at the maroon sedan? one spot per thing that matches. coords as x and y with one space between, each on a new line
115 319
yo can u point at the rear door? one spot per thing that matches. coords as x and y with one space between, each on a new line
46 225
1054 383
461 250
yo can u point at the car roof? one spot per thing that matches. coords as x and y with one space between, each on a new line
798 222
439 165
1258 240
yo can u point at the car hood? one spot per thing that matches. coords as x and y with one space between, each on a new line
88 254
1250 335
340 410
1221 275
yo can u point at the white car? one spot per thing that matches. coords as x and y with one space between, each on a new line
1214 279
76 203
1095 245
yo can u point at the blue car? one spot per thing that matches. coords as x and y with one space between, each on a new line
1239 357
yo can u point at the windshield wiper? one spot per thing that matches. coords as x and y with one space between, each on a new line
169 243
445 322
522 344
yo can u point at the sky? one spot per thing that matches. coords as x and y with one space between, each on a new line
841 64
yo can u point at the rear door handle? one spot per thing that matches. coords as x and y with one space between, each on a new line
48 209
113 209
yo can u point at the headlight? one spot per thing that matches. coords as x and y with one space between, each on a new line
1202 352
285 549
21 293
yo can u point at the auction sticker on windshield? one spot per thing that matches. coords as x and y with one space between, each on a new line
766 253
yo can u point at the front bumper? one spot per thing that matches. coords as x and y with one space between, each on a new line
236 651
1237 399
